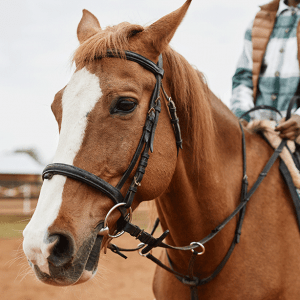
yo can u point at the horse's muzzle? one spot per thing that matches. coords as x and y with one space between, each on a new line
65 266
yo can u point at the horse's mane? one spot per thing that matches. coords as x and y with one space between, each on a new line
191 95
187 85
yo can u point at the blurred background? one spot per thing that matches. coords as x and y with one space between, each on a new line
37 40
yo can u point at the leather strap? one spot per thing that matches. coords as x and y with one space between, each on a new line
292 103
184 279
149 133
141 60
83 176
133 162
174 120
244 190
289 181
259 107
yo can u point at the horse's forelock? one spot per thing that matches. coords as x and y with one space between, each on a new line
112 38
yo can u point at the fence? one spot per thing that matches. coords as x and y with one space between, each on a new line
19 193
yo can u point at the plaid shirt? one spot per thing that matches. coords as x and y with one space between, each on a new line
279 75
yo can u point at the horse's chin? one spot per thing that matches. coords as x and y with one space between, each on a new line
86 276
79 271
90 269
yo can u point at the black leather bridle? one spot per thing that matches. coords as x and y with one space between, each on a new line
145 145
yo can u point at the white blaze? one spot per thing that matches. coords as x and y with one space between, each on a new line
79 98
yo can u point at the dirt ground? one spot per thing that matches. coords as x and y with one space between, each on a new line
116 278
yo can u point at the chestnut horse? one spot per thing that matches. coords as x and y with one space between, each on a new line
101 115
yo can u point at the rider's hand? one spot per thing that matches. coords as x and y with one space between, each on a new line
289 129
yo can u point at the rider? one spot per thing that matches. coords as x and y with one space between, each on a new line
268 70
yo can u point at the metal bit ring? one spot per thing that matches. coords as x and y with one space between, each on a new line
105 229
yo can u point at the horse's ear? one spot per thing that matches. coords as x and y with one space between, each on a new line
160 33
88 26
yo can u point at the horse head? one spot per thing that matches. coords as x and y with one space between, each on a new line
100 114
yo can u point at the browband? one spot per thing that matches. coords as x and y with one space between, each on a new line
141 60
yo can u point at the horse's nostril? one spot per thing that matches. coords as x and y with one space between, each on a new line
62 251
62 246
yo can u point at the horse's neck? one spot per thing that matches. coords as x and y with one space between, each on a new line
199 200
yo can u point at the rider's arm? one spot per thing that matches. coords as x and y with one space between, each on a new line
242 86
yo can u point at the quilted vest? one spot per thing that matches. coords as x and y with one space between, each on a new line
262 29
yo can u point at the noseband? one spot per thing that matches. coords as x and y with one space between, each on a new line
142 151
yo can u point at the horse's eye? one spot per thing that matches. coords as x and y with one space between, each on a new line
124 105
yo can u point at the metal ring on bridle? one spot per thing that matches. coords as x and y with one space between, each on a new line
140 246
200 245
110 211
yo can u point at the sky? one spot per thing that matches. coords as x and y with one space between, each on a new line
38 38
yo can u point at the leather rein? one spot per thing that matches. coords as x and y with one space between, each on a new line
148 241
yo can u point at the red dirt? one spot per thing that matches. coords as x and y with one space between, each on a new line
116 278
